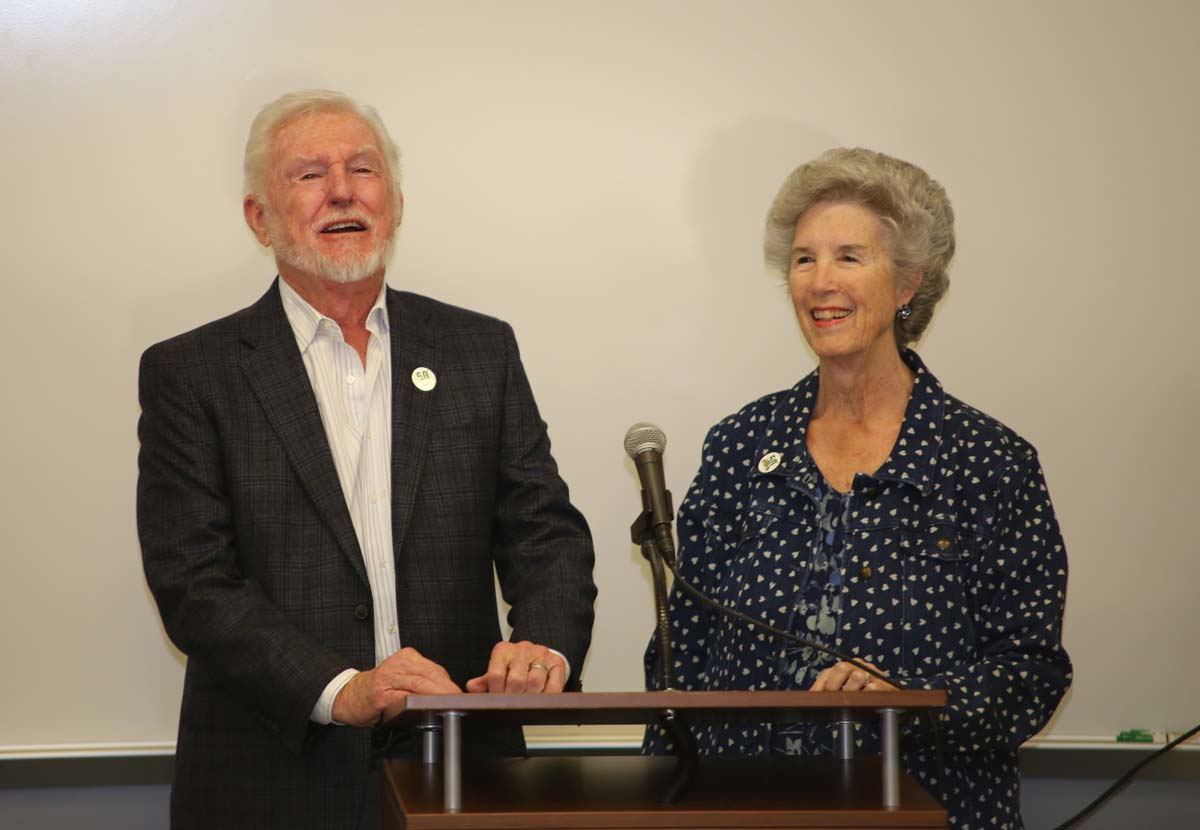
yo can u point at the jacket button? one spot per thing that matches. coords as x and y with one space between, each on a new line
865 573
943 544
361 612
871 492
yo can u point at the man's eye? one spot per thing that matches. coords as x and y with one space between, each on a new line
305 177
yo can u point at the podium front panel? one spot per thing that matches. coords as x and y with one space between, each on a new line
599 792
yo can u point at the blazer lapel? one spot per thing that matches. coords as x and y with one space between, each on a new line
275 372
414 346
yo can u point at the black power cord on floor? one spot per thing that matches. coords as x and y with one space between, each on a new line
1074 820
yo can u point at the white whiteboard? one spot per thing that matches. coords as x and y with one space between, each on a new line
597 175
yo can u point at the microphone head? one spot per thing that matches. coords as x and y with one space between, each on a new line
644 436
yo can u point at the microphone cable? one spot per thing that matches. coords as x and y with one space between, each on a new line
778 632
930 717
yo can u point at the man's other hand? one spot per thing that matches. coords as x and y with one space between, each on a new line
517 668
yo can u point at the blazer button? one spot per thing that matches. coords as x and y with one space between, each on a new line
865 573
871 492
361 612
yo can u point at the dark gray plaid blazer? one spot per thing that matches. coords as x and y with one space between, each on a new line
250 553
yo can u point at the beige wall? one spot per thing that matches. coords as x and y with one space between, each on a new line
597 174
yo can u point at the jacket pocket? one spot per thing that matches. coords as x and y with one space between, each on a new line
937 608
739 657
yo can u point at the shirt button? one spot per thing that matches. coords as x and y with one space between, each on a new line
349 378
361 612
391 629
865 573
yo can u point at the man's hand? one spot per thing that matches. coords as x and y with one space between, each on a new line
521 667
374 696
844 677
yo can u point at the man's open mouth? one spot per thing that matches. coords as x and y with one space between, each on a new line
344 227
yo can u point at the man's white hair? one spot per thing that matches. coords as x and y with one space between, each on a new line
294 105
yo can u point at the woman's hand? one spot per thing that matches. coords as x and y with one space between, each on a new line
844 677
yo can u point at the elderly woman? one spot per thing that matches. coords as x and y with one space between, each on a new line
868 510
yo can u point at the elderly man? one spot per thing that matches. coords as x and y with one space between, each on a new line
327 479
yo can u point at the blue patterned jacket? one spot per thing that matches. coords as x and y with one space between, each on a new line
954 578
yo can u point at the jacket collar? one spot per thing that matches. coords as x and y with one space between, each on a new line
414 347
783 449
274 371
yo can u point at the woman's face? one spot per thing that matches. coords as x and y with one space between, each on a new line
842 282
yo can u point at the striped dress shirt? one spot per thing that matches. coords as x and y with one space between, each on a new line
355 402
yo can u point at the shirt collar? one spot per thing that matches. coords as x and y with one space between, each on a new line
912 458
306 320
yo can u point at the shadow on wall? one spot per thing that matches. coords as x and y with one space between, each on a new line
734 177
751 342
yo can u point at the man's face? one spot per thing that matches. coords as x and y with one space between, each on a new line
329 211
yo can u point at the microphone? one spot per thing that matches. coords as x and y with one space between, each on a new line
645 444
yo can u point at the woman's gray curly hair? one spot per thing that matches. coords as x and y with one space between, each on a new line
913 208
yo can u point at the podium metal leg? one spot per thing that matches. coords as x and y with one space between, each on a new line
845 725
890 733
452 765
430 732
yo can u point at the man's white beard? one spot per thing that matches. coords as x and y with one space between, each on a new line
346 270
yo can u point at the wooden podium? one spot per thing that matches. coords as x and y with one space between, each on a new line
445 791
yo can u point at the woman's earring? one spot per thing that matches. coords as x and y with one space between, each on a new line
903 312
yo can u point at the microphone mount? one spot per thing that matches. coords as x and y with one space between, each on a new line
651 531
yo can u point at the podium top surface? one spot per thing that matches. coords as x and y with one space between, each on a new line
645 707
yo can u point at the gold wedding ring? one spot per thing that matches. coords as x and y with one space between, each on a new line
541 666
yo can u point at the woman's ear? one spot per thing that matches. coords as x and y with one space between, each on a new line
906 289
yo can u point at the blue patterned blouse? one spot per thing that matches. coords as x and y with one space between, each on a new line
815 617
945 568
